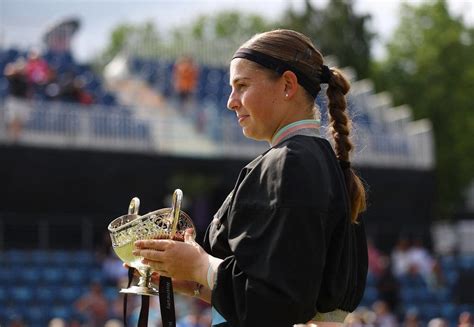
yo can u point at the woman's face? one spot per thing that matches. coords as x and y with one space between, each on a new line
255 99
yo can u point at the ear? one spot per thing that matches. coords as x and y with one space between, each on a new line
291 84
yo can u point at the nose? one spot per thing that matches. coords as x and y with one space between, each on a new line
233 102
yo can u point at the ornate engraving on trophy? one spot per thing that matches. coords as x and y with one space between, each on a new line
166 223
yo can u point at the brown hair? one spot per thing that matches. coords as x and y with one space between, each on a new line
298 51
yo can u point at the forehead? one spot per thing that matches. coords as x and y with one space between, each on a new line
243 68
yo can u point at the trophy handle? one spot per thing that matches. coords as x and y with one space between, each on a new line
176 210
134 206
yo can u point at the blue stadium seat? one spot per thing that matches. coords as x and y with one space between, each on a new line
82 257
448 263
3 296
466 262
40 257
449 311
30 275
7 275
16 257
62 311
111 293
408 295
21 294
59 257
412 281
36 315
443 295
52 275
69 294
76 275
429 311
46 295
451 277
370 294
4 86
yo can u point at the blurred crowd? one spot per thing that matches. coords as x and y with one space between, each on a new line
409 266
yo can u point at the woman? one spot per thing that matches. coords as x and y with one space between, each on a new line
286 246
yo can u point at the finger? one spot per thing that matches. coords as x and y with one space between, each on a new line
156 244
149 254
156 267
189 235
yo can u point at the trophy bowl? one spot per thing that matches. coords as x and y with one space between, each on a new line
166 223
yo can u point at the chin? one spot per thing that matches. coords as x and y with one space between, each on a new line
248 134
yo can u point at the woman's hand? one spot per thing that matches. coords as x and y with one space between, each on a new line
187 287
186 261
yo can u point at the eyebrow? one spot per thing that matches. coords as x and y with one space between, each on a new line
237 79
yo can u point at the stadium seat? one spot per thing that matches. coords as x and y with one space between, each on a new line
35 315
448 311
3 296
30 275
429 311
448 263
62 311
60 257
16 257
46 295
40 257
52 275
466 262
69 294
7 275
76 275
21 294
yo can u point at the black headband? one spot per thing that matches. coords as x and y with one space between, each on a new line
281 66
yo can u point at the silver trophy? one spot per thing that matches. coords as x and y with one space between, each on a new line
166 223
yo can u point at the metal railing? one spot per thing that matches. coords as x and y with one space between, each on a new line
105 129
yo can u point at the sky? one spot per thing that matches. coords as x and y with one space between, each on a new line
22 22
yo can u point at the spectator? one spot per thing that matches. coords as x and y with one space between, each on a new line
113 323
185 77
401 258
384 316
437 322
38 74
387 285
411 319
420 257
16 108
436 280
57 322
94 306
465 319
374 255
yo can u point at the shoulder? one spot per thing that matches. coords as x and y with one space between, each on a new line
299 155
305 168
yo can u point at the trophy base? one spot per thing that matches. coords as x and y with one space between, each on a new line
150 291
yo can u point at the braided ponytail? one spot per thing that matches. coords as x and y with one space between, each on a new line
340 127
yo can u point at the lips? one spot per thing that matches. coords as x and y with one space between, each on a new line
242 118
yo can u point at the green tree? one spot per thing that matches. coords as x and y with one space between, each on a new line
224 25
337 30
214 38
430 66
209 38
123 35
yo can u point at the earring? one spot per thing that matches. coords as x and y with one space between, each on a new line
286 95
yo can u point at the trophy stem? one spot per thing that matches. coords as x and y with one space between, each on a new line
144 286
145 277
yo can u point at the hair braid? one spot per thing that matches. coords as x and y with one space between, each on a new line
340 127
